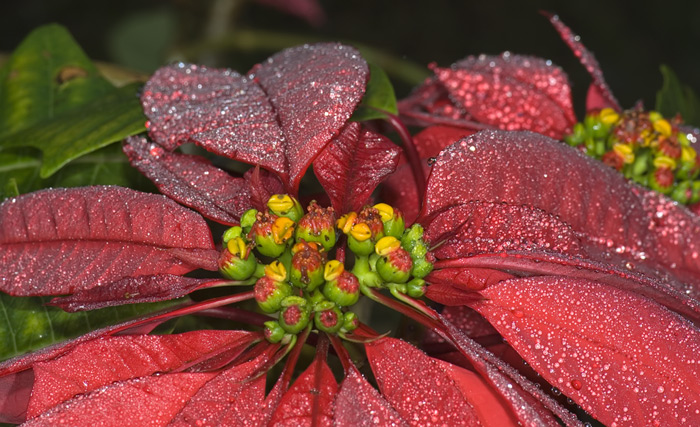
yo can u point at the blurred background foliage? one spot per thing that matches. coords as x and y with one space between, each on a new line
631 39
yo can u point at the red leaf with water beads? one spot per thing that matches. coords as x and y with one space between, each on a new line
455 286
601 96
511 92
352 166
606 212
132 290
280 116
65 240
621 357
191 180
310 399
435 399
358 403
103 361
234 397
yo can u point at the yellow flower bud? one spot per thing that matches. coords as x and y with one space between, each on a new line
385 211
237 247
609 116
280 203
276 271
663 127
361 232
625 151
664 162
387 245
332 270
345 222
688 154
282 229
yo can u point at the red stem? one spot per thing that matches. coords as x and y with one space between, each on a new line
342 353
411 154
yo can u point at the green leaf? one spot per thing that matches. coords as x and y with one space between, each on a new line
379 97
675 98
27 324
53 98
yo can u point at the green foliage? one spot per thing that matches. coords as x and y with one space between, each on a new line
27 324
55 108
379 97
677 98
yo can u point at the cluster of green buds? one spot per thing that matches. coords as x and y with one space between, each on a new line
645 147
288 256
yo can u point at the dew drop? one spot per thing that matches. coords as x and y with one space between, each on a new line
576 384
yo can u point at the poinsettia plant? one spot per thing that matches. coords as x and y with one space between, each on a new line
532 269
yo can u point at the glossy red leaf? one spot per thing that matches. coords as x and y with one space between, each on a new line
191 180
263 185
435 399
132 290
156 399
608 214
65 240
110 359
280 116
455 286
602 91
234 397
352 166
512 92
360 404
623 358
310 399
529 404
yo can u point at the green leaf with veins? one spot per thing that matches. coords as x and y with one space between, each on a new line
675 97
27 324
53 98
379 97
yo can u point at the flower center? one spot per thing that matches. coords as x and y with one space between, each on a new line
302 275
644 147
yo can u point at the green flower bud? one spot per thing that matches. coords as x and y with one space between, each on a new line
271 234
295 314
421 267
578 136
415 288
236 262
307 266
361 248
269 293
392 219
350 322
318 226
329 320
248 219
273 331
394 263
344 290
233 232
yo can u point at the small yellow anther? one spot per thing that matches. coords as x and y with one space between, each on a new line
664 162
688 154
345 222
663 127
609 116
385 211
282 229
332 270
280 204
625 151
361 232
387 245
237 247
276 271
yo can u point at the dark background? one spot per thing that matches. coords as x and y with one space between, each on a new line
630 39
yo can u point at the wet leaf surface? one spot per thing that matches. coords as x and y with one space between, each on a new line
623 358
64 240
280 116
352 166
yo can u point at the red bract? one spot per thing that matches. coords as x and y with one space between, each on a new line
592 280
511 92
